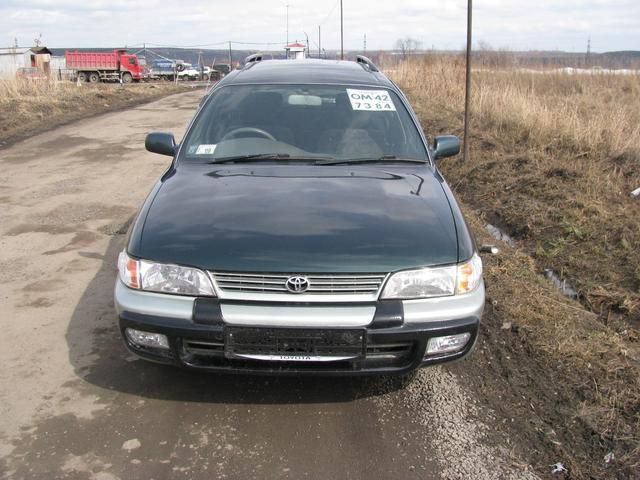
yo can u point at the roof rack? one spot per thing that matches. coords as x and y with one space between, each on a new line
256 57
362 60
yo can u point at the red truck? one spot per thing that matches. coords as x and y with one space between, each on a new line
101 66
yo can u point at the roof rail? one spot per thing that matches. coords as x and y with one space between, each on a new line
362 60
256 57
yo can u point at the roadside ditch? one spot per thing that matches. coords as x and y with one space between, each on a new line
566 385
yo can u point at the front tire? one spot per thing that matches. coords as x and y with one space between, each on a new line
127 77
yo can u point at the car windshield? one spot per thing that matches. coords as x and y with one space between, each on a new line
303 122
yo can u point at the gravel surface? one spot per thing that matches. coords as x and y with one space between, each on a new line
455 429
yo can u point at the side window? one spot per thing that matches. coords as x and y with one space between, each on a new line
132 61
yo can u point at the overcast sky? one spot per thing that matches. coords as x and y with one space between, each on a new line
516 24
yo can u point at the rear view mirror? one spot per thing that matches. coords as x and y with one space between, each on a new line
160 142
446 146
305 100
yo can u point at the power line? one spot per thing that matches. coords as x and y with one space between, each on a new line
314 42
256 43
330 12
186 46
224 43
158 55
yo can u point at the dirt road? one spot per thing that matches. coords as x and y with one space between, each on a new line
75 404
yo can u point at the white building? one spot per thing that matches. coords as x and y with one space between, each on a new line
14 58
295 51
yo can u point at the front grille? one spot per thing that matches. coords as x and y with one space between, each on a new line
353 284
234 351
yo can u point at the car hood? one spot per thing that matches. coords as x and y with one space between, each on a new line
297 219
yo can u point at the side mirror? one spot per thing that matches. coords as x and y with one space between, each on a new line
446 146
160 142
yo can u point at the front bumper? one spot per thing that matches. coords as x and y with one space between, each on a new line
395 333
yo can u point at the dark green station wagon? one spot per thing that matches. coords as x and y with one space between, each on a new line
302 227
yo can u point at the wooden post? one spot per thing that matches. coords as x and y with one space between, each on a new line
467 91
341 34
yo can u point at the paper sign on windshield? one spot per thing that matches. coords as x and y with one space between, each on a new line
371 100
206 149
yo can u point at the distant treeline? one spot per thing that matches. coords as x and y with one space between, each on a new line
493 58
483 56
623 59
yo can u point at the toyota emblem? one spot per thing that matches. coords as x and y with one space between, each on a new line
297 284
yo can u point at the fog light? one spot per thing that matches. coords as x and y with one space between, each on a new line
448 344
147 339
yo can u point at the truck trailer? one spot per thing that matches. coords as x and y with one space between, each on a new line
166 69
94 67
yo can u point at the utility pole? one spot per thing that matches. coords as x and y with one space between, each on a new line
230 66
308 53
467 92
364 49
288 23
587 58
341 33
319 43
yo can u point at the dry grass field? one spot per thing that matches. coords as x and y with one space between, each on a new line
554 158
29 106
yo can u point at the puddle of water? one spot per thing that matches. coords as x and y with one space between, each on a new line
500 234
561 284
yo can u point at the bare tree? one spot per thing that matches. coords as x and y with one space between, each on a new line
489 57
408 46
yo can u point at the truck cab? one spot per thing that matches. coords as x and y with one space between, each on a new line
130 63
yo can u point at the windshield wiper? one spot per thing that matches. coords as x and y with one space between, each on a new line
250 158
383 158
266 156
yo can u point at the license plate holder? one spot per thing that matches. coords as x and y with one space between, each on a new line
294 344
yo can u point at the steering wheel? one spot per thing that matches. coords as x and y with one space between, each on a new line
258 131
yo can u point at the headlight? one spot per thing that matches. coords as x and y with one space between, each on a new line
423 283
435 282
163 278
